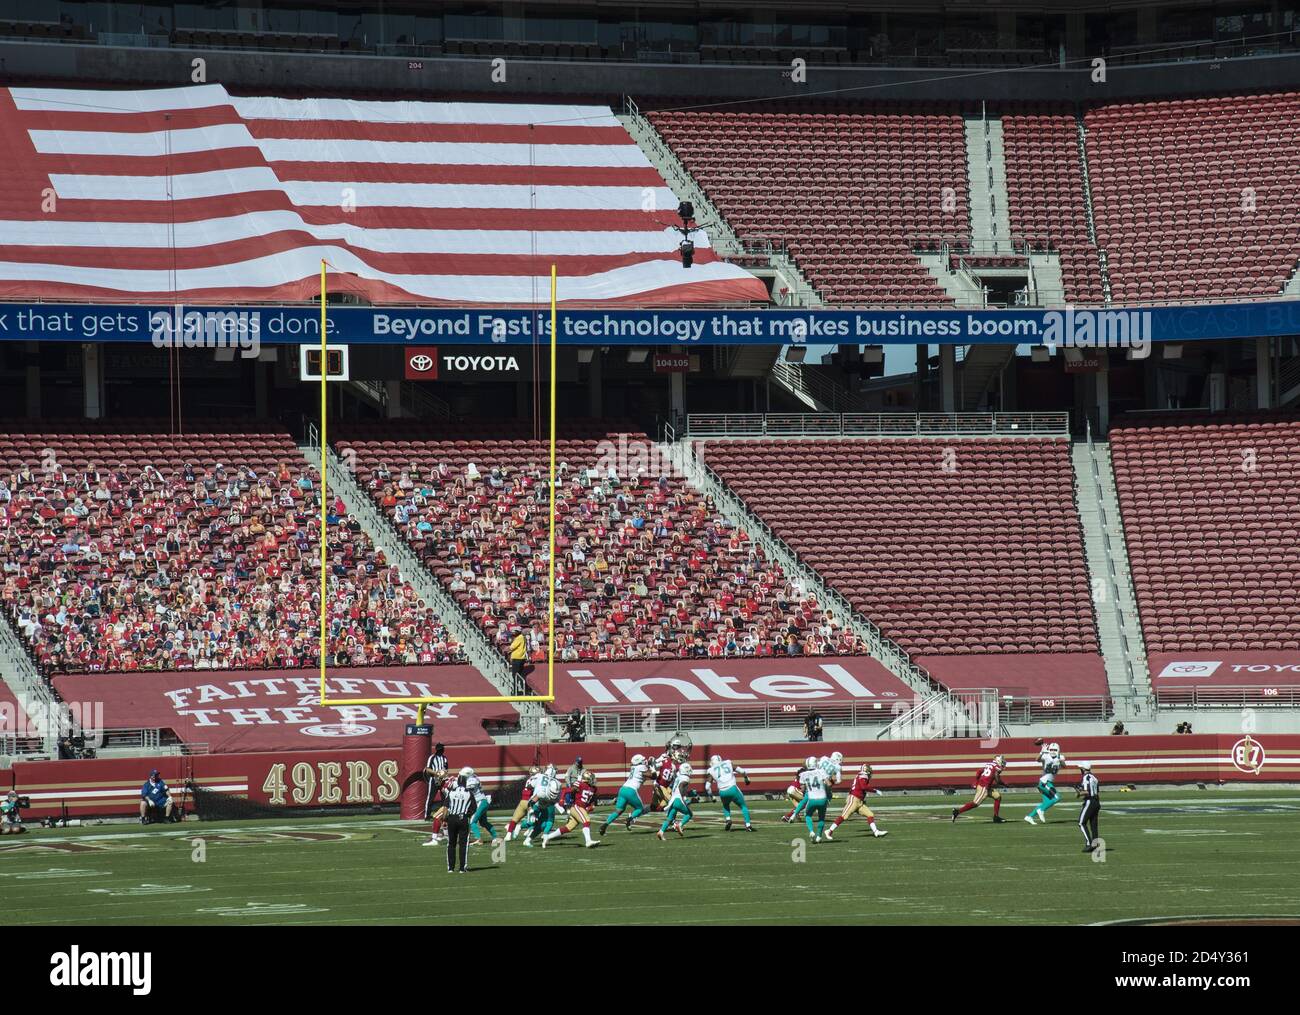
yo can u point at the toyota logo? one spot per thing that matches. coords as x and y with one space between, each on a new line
421 362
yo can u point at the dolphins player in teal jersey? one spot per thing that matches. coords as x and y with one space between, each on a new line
629 795
815 797
679 811
545 795
1053 761
723 775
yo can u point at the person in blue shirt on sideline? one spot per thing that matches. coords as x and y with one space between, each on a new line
155 798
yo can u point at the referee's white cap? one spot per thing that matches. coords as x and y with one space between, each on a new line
1085 766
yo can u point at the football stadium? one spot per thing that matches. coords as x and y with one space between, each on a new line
685 463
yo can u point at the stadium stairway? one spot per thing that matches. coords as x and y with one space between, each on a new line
986 168
979 367
1119 628
791 287
479 650
19 673
963 287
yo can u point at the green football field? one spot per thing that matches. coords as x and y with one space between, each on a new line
1169 854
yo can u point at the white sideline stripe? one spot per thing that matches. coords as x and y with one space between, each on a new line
253 225
248 179
304 262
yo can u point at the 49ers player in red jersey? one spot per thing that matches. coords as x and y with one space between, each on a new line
666 766
986 785
856 804
584 801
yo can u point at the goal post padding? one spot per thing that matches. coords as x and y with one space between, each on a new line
417 745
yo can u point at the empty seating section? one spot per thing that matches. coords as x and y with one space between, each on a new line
1047 200
969 546
133 551
1197 198
852 193
1213 530
645 566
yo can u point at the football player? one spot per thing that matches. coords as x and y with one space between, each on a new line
438 799
679 811
987 782
545 796
856 804
833 767
813 783
665 766
629 794
723 775
521 808
1052 761
584 801
794 793
479 822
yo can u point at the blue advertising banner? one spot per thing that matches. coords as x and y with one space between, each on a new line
244 326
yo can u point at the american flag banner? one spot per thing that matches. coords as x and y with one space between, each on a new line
198 195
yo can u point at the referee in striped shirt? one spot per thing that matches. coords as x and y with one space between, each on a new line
460 804
1090 790
435 769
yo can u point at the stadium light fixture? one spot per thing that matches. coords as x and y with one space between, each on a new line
586 354
795 353
873 354
637 355
1040 354
1173 350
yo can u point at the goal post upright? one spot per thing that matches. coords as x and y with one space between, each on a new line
422 701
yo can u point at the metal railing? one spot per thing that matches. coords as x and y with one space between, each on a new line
816 386
948 714
615 721
1281 696
1063 708
881 424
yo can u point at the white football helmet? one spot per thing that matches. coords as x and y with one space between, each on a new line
715 759
638 759
550 770
467 770
686 771
836 757
810 762
1053 748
